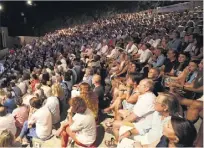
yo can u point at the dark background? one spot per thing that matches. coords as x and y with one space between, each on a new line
37 16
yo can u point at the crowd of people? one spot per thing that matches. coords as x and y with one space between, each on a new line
145 69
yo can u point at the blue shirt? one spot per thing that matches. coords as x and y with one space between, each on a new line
10 104
160 61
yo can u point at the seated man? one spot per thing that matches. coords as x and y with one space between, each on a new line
158 58
154 74
7 121
39 125
142 110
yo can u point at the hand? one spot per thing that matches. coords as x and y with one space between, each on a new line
125 135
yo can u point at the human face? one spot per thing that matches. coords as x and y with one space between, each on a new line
181 58
142 88
192 66
129 81
168 131
133 68
201 66
159 105
157 52
144 47
152 74
170 54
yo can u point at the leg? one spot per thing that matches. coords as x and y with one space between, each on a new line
24 130
116 127
64 139
194 110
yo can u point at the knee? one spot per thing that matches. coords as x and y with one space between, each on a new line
63 133
197 104
116 124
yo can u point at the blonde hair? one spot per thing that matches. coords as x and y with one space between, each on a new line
6 139
57 90
97 78
90 102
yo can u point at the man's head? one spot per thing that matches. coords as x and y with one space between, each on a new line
153 73
171 54
146 46
175 35
158 51
192 66
145 85
96 79
35 103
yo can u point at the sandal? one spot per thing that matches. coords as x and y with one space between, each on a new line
110 143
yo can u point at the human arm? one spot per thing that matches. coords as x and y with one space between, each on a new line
159 62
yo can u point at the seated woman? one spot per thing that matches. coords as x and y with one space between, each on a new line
178 132
90 98
121 67
81 127
121 80
130 98
178 69
148 132
53 103
39 125
7 139
88 76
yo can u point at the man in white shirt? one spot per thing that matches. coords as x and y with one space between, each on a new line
39 125
142 110
131 48
145 54
7 121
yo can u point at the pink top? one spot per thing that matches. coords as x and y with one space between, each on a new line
21 115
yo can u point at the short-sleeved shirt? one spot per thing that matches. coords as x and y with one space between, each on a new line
8 123
155 131
144 109
21 115
42 118
52 104
85 127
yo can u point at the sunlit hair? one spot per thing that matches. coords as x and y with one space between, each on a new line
57 90
6 139
78 105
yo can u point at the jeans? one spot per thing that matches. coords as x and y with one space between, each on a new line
28 132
